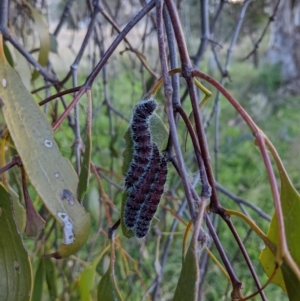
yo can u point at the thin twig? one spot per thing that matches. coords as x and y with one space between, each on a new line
14 161
168 91
8 36
256 45
246 256
234 280
103 61
205 31
63 17
239 200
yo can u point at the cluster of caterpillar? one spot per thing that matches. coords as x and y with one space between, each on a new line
146 175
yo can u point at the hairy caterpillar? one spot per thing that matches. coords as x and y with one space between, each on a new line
142 148
152 199
147 173
142 189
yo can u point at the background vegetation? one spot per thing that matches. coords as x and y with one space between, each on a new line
54 47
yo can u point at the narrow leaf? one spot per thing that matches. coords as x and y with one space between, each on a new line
187 286
8 55
51 175
15 268
44 37
86 282
107 288
23 69
290 204
87 278
86 163
19 211
85 168
113 151
51 278
39 281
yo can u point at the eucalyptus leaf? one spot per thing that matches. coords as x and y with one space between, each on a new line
39 281
87 278
107 287
15 267
23 69
85 167
8 55
290 204
188 283
19 211
44 37
86 282
50 174
51 278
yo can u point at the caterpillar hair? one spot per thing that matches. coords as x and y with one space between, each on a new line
137 196
150 205
142 148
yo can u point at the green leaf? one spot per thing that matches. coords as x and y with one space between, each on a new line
290 203
188 283
267 258
39 281
51 175
44 37
159 135
19 212
15 268
86 282
23 69
107 287
114 152
51 277
159 132
8 55
87 278
85 168
93 206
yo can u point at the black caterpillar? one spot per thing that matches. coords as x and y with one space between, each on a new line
152 199
146 175
142 149
137 196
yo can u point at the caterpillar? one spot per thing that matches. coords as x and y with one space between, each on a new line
152 199
142 148
137 196
146 175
